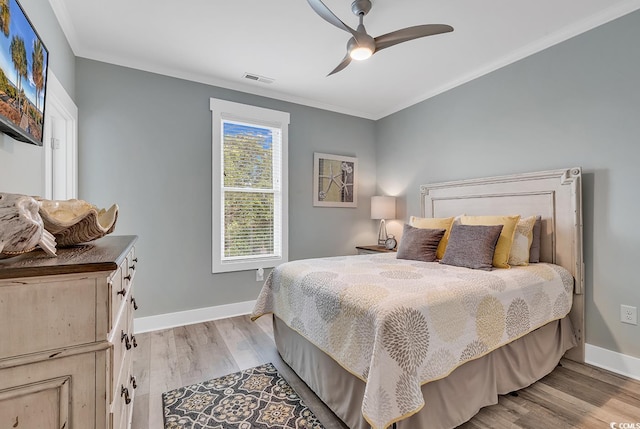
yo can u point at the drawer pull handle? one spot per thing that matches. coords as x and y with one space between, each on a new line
124 337
121 292
135 304
127 277
135 259
133 340
132 379
125 392
133 267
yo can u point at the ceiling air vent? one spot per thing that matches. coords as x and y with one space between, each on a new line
257 78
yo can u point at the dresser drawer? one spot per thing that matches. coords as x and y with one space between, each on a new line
56 393
122 404
117 294
119 408
121 384
129 268
121 341
132 261
46 314
119 284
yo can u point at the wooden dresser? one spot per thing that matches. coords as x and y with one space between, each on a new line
66 337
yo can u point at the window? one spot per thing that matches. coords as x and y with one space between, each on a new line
249 186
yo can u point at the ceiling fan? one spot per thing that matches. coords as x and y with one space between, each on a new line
361 46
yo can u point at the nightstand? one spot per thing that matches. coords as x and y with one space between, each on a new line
364 250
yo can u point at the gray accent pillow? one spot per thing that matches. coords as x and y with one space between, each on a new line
419 244
534 250
472 246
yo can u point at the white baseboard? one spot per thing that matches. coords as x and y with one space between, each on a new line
189 317
628 366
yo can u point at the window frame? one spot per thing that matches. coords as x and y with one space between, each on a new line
228 110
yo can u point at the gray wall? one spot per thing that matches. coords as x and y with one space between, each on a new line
576 104
145 143
21 164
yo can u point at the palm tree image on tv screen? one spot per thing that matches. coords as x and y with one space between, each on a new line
23 72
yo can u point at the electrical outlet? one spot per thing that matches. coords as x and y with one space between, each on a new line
260 274
629 314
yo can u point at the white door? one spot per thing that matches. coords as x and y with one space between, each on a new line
60 143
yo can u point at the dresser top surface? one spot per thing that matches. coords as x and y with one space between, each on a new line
105 254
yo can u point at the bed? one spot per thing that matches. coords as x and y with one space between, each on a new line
368 367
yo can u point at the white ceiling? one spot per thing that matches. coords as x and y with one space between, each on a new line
217 41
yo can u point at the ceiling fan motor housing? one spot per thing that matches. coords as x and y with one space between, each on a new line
361 7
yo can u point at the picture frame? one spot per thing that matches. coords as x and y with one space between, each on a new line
335 180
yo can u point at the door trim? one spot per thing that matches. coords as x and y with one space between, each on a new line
58 97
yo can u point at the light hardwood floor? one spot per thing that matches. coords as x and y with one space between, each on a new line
572 396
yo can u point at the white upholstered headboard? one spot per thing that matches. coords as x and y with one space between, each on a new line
555 195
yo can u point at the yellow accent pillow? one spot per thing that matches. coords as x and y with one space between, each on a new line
522 240
434 223
503 248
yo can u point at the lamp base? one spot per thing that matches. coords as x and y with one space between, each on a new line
382 233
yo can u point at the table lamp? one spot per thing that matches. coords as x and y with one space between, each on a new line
382 208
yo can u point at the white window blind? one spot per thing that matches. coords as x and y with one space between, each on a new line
249 186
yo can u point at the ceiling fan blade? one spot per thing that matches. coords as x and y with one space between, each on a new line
410 33
345 62
326 14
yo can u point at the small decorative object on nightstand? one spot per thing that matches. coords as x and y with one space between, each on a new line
390 243
374 248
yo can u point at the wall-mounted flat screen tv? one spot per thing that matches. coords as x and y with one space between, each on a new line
23 75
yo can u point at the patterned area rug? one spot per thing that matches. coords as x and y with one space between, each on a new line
256 398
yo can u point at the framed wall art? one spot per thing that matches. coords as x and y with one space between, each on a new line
335 180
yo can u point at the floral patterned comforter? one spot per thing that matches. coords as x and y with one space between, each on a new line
397 324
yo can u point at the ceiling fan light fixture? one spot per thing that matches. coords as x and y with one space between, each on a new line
361 49
360 53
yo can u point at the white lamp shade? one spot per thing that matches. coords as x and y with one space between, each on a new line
383 207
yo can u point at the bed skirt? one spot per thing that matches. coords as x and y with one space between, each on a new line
449 402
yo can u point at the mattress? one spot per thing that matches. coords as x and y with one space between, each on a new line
399 324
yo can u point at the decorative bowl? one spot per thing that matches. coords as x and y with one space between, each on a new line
76 221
